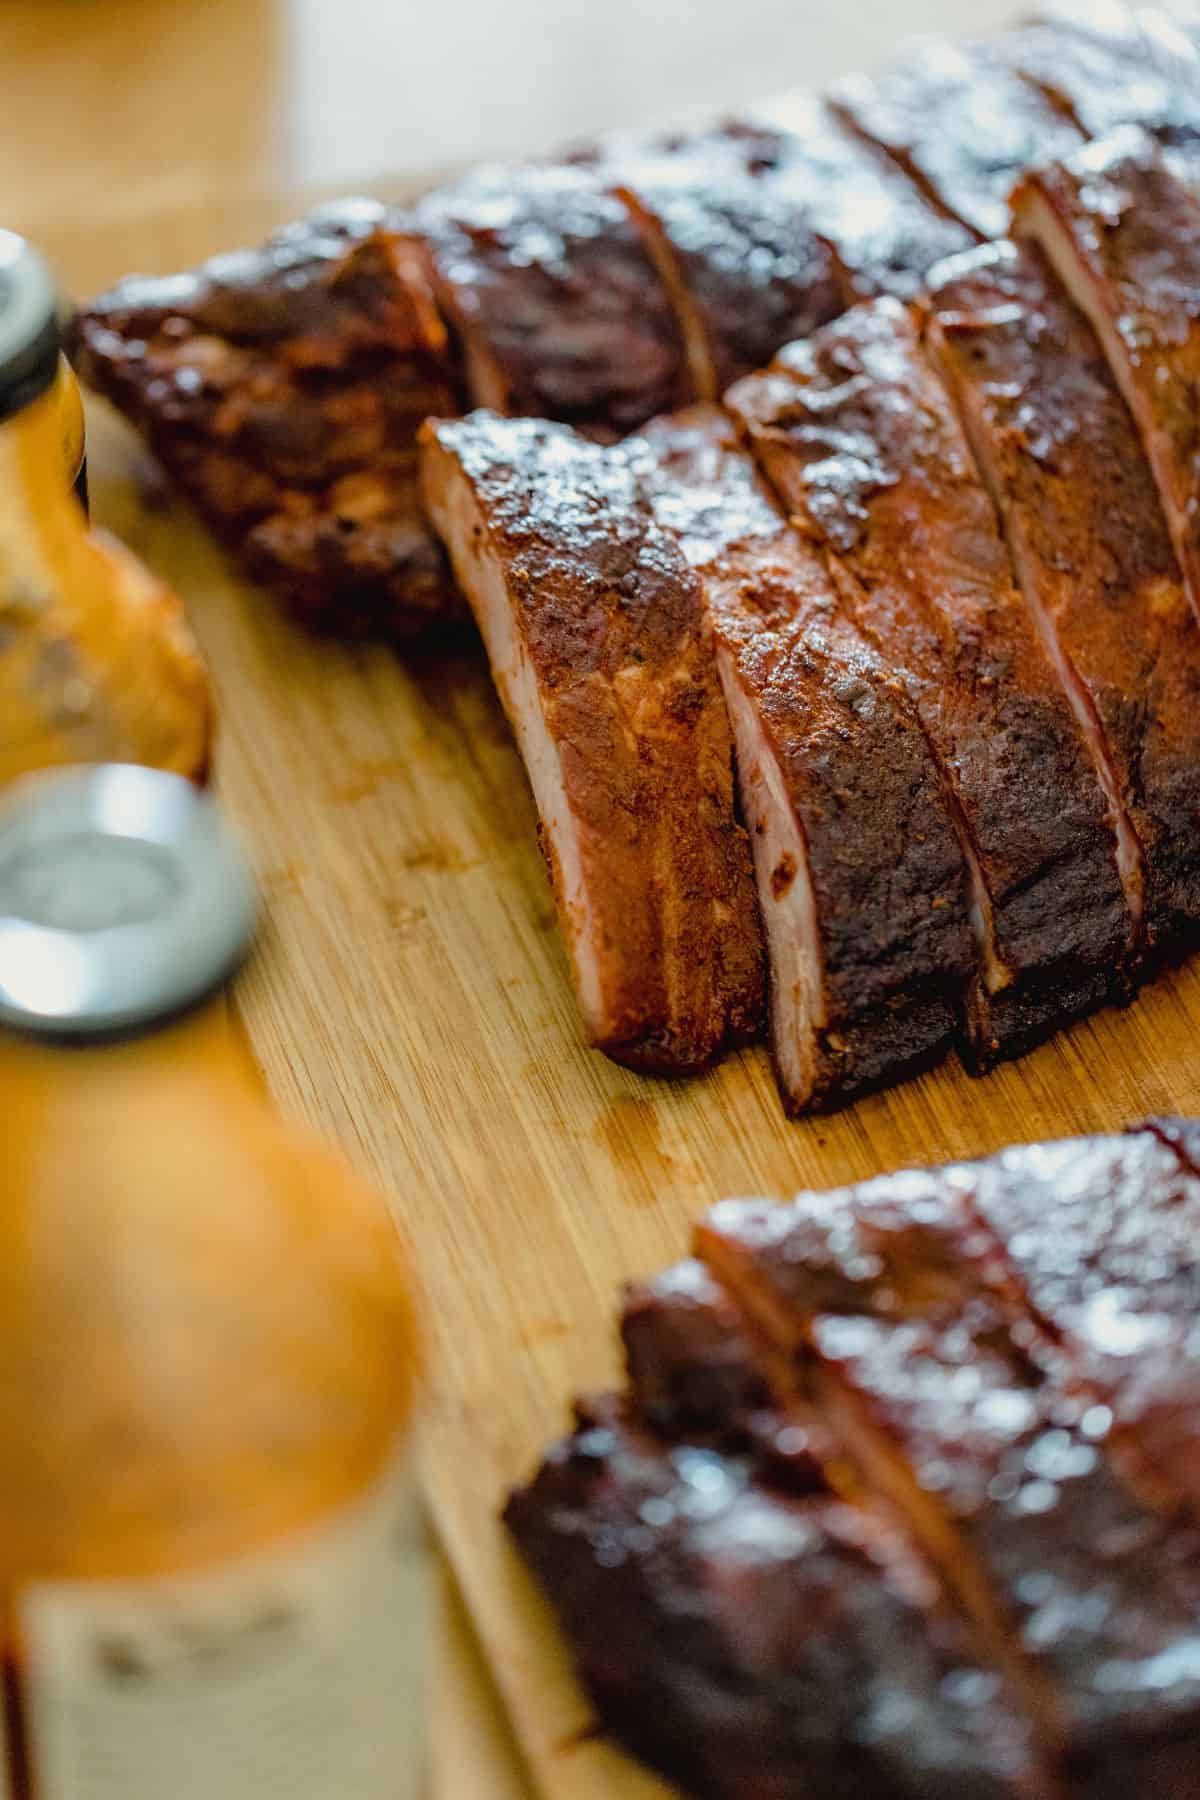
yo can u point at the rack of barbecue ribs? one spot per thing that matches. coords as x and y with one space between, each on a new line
932 567
839 570
902 1498
283 388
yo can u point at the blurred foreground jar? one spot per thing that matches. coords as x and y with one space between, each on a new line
96 660
211 1581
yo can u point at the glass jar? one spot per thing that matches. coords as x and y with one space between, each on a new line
212 1571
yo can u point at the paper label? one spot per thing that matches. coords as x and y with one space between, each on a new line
294 1676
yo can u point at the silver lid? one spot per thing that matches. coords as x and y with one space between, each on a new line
123 899
29 335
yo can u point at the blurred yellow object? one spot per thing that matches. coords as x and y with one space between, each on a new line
211 1572
205 1331
72 429
96 659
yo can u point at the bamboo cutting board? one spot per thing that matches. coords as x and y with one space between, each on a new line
410 996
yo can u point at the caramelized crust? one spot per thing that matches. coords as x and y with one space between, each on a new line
1085 1594
979 1355
806 166
860 443
1101 1241
1122 230
740 257
960 123
861 880
689 1360
1182 1136
600 650
782 1645
1107 65
282 388
1062 459
886 233
559 310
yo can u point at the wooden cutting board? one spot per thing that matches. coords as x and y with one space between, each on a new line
410 996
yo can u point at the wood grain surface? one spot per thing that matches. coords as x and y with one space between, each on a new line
410 992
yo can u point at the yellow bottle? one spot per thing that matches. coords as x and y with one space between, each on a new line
96 659
210 1571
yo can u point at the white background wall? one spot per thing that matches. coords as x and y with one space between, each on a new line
414 86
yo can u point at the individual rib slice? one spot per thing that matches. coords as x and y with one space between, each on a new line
886 233
695 1371
860 876
1087 1596
740 258
1062 459
599 647
1102 1242
961 123
1122 230
1109 65
753 1645
690 1364
859 441
560 311
282 388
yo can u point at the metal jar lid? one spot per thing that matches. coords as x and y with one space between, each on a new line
29 334
123 900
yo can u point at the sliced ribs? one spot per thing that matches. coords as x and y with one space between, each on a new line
282 389
690 1363
961 123
1122 229
558 308
990 1366
861 880
1086 1595
754 1645
596 632
1183 1137
1062 459
859 440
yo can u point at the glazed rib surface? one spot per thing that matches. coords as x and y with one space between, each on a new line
689 1358
1110 65
282 389
740 255
1102 1242
785 1645
1004 1595
559 310
961 123
1085 1592
887 234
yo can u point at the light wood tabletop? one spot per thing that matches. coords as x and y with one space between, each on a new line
135 122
